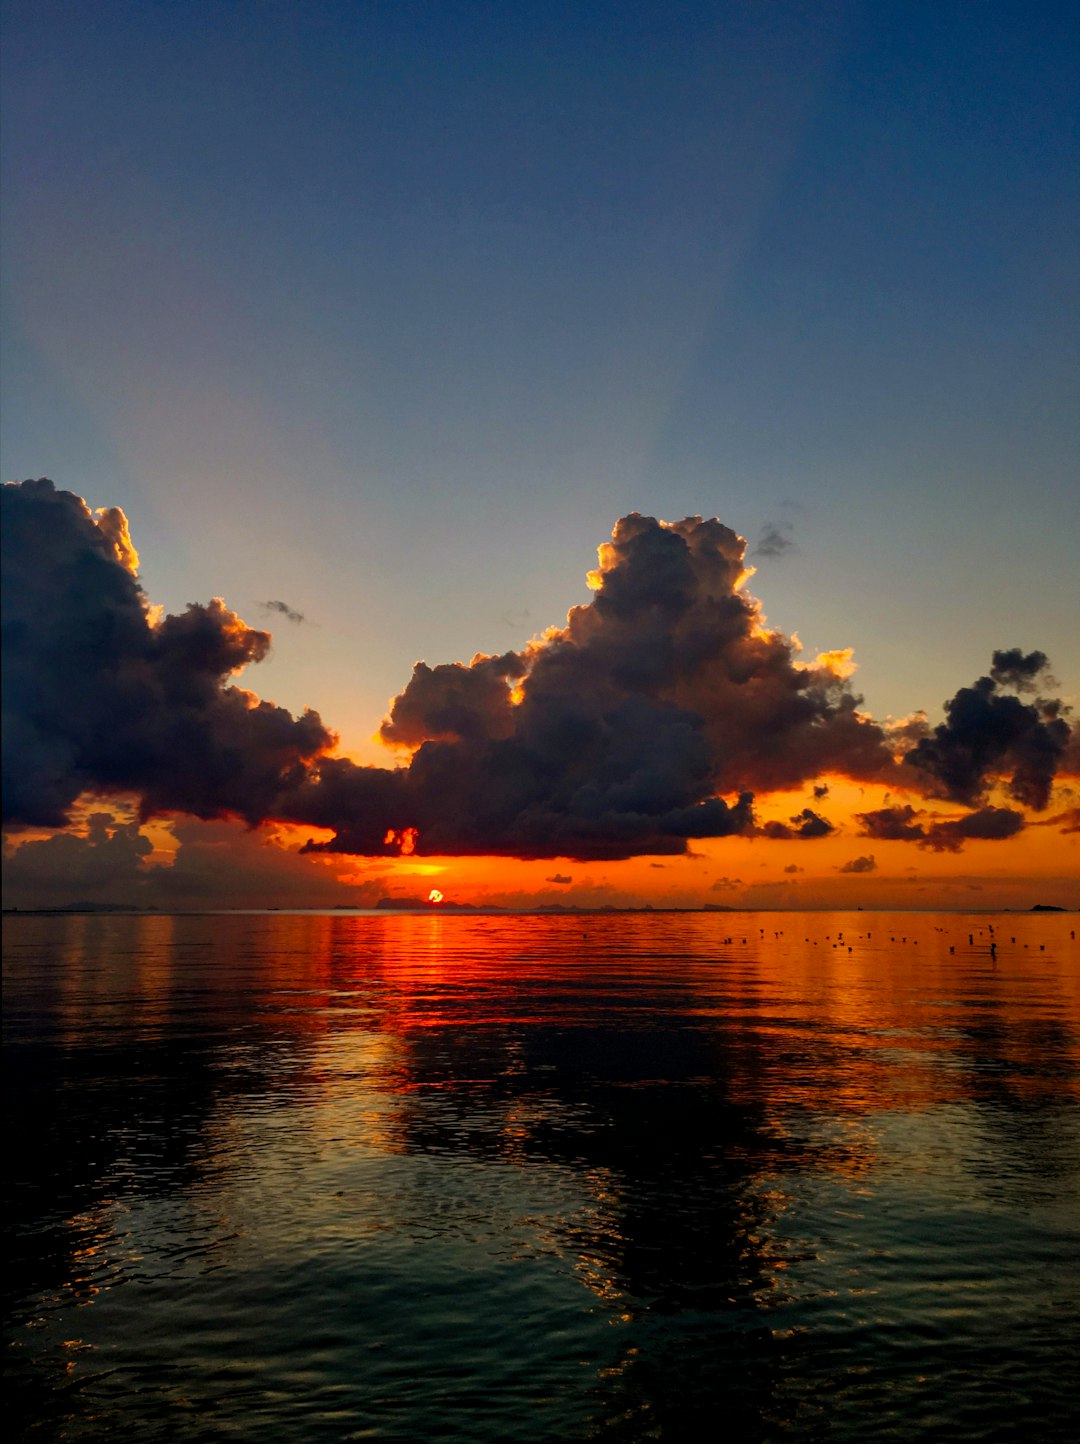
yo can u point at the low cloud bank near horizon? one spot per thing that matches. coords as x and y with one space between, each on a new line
620 734
110 862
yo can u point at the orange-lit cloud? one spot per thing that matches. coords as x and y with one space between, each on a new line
622 732
664 716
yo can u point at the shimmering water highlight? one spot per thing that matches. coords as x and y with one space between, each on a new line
451 1177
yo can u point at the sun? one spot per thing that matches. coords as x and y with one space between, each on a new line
435 896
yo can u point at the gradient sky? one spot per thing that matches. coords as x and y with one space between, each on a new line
389 311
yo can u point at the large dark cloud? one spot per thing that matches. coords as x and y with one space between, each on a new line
618 733
98 695
989 733
649 720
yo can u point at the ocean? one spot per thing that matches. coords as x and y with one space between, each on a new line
740 1176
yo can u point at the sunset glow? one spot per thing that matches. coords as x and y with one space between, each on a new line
541 720
608 764
601 571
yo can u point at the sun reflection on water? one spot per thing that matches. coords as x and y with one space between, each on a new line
664 1139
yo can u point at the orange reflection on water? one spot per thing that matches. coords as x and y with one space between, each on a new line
618 1054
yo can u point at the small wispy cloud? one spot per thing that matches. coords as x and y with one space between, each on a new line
284 610
775 540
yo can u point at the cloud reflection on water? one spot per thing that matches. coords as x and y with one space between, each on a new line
726 1133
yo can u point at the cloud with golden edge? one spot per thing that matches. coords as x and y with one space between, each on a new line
649 721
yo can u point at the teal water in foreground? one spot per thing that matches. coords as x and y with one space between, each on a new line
495 1178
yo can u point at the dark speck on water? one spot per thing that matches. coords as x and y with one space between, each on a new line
490 1178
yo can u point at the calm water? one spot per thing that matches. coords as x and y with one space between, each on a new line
302 1177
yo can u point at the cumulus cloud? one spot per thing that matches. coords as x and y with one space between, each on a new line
903 824
805 824
649 720
621 732
1014 668
989 733
892 824
456 703
559 877
100 695
860 864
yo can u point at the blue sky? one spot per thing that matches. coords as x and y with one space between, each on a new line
390 310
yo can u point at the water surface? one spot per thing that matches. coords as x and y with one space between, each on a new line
627 1177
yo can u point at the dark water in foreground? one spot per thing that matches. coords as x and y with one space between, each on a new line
300 1177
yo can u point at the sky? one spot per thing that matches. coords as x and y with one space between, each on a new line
376 320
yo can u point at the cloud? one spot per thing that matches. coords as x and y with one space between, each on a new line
650 720
231 866
774 540
284 610
805 824
860 864
456 703
217 864
620 732
104 865
559 877
892 824
989 824
1013 668
988 734
1067 821
902 824
99 695
793 867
